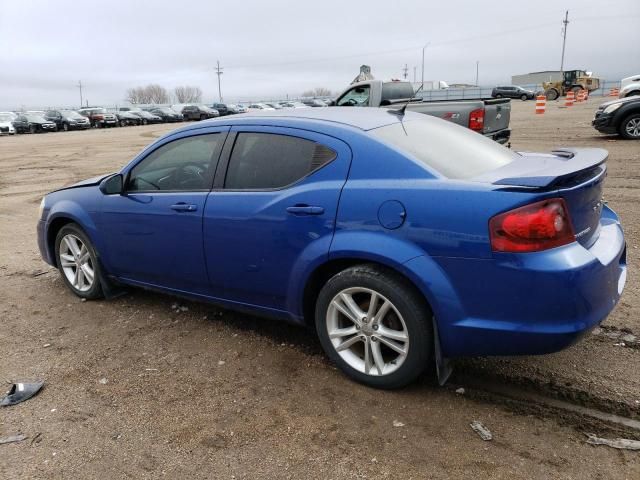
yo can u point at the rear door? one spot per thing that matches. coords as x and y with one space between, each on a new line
272 212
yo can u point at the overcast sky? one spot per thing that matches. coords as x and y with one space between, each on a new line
274 48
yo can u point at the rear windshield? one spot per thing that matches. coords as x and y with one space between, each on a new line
396 90
453 151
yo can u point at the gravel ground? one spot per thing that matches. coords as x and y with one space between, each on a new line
138 387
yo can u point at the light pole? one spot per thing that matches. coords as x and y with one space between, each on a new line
477 67
423 49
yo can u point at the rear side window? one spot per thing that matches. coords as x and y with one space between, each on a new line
453 151
263 161
396 90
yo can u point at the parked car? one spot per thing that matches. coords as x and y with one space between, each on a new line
488 117
222 108
260 106
33 123
401 238
314 102
11 115
198 112
166 114
211 112
146 117
293 105
274 105
620 116
512 91
67 120
236 108
630 86
99 117
6 124
128 118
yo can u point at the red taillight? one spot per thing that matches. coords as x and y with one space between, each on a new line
476 120
532 228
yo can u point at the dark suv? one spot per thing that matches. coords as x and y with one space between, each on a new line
221 108
512 91
196 112
619 116
67 120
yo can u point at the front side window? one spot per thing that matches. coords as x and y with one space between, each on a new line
265 161
356 97
186 164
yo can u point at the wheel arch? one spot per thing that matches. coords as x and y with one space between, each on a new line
65 216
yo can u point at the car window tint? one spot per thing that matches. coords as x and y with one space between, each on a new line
267 161
184 164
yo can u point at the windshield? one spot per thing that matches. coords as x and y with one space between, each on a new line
5 117
71 114
35 118
449 149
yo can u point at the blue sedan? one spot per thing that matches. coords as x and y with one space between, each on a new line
402 238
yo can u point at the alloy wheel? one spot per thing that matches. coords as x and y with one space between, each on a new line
633 127
367 331
76 263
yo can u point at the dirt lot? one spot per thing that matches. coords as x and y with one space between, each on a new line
137 388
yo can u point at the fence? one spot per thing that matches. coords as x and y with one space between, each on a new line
485 92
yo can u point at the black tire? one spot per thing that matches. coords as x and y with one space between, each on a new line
524 97
65 127
123 123
552 94
626 128
498 95
144 121
96 288
406 300
32 129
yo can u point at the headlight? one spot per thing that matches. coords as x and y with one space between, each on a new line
612 108
41 209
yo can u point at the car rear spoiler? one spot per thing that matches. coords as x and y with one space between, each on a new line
548 171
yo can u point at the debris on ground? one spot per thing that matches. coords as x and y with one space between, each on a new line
481 430
396 423
19 392
221 362
619 443
12 439
37 438
103 381
460 391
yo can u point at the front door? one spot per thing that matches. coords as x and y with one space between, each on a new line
274 212
154 230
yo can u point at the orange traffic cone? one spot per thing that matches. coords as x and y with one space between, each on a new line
541 104
570 99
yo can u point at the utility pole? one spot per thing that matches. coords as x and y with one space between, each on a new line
219 72
477 68
423 49
405 70
414 74
564 38
80 87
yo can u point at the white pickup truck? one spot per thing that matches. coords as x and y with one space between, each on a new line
490 117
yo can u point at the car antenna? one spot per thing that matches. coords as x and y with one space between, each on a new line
400 111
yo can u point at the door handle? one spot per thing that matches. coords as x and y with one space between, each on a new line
305 210
184 207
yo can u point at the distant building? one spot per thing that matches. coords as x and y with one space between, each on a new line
364 75
535 78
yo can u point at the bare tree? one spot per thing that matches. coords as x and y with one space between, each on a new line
152 93
187 94
317 92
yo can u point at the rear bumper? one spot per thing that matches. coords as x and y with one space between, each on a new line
536 303
501 136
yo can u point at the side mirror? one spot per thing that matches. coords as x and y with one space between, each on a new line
112 185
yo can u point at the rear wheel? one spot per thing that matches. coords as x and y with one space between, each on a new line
203 117
630 127
32 129
65 127
576 90
374 326
498 95
77 262
524 97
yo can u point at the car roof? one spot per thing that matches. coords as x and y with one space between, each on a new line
361 118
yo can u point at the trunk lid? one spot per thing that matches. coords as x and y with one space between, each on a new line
576 175
497 114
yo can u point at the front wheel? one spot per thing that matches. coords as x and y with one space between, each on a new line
524 98
65 127
374 326
77 262
552 94
630 127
